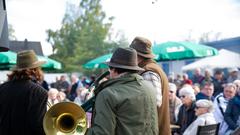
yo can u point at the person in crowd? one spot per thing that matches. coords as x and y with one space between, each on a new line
207 77
178 81
126 103
171 77
81 95
186 79
55 84
75 84
232 113
44 84
233 75
174 103
220 105
197 77
206 92
62 84
92 79
52 96
23 102
186 113
196 88
61 97
237 83
218 81
203 111
85 82
154 74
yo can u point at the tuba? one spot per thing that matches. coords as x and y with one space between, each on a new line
68 118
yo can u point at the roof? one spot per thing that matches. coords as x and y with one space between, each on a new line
232 44
17 46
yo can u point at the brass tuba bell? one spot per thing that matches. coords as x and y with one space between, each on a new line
65 118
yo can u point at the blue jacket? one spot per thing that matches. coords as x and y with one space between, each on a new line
232 112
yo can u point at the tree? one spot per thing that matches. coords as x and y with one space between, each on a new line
11 32
83 35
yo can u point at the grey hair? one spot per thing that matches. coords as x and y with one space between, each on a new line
231 85
187 91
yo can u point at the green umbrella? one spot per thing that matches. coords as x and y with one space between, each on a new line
7 58
182 50
50 63
98 62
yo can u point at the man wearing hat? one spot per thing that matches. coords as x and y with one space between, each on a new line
23 101
126 104
153 73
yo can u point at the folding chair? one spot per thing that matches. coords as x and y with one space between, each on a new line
208 129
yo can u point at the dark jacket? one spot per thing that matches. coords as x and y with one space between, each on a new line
218 86
197 79
232 112
22 108
185 117
200 95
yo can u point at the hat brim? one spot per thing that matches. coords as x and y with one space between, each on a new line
34 65
115 65
150 56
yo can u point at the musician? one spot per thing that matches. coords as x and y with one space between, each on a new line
126 104
23 102
154 74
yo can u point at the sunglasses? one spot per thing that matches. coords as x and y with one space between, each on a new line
182 96
197 107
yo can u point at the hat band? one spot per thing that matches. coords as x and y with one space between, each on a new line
124 62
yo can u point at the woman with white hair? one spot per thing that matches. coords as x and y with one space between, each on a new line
186 113
52 97
203 111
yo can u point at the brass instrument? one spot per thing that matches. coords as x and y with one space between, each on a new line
65 118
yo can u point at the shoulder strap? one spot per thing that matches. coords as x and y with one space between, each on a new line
218 101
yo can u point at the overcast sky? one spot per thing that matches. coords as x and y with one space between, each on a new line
158 20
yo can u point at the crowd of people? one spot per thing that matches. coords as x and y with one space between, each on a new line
76 90
136 98
218 95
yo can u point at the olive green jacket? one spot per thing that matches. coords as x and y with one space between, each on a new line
125 106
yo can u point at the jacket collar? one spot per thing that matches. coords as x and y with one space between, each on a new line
128 77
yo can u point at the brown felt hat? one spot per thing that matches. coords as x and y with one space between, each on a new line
26 60
125 58
143 47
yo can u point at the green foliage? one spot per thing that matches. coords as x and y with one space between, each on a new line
83 36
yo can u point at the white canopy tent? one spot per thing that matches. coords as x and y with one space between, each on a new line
225 59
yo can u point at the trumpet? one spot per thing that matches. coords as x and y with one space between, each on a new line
67 118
